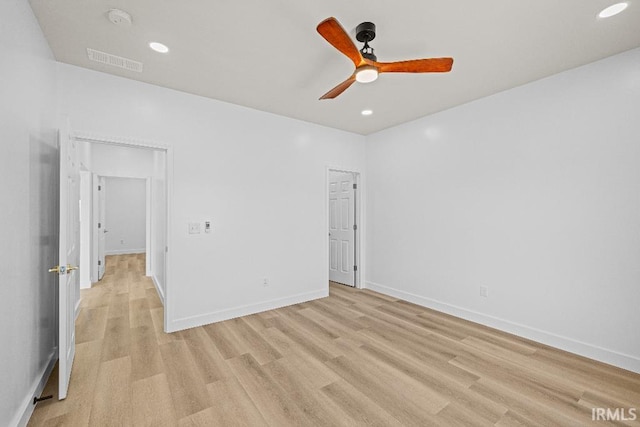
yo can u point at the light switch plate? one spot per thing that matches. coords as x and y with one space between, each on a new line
194 228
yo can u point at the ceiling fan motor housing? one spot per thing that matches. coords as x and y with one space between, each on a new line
366 32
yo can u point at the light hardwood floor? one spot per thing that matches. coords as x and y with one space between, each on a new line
354 358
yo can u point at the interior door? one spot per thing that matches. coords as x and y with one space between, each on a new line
68 256
101 226
341 228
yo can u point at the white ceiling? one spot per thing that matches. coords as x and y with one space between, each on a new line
266 54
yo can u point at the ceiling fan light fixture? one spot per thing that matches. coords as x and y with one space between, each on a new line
366 74
612 10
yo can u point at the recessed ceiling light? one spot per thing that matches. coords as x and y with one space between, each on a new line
366 112
158 47
614 9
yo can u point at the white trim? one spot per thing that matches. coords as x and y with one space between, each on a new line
95 218
125 251
168 278
147 259
116 140
158 288
22 417
86 229
245 310
612 357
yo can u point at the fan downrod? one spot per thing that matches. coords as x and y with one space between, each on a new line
366 32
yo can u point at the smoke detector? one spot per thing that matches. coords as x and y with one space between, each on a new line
119 17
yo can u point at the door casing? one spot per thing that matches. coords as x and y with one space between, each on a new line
150 145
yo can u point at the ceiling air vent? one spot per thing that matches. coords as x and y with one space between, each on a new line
115 61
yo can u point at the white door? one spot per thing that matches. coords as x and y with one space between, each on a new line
68 256
101 226
341 228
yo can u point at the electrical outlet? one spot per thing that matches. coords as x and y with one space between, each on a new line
194 228
265 282
484 291
122 241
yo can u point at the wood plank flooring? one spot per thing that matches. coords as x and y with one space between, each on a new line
354 358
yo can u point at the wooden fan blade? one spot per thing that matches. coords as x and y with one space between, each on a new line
337 37
430 65
340 88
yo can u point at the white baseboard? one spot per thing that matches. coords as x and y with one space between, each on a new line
85 284
245 310
22 417
158 288
591 351
125 251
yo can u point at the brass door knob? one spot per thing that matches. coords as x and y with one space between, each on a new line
62 270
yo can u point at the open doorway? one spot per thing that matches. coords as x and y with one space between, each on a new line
343 221
128 198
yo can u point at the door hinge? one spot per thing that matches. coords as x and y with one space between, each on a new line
99 225
99 262
355 268
355 186
355 227
99 187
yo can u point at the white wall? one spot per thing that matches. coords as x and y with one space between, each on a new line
534 193
125 215
259 178
28 213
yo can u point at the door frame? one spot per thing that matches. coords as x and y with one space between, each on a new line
150 145
95 231
147 222
359 276
86 228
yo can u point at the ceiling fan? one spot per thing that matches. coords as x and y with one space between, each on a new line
367 65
